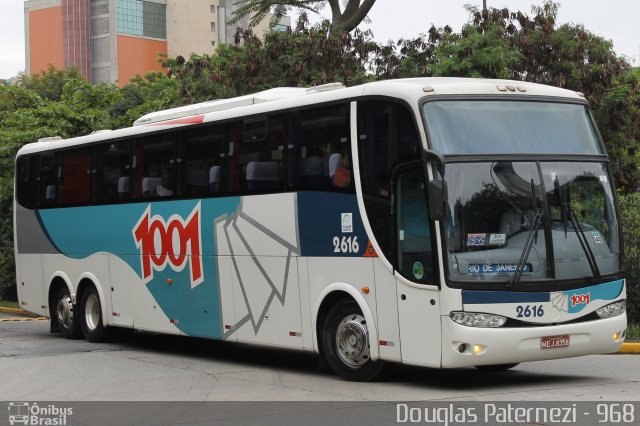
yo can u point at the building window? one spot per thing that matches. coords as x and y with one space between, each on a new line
141 18
213 8
213 43
213 27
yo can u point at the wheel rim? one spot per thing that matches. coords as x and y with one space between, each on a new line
352 341
92 312
64 310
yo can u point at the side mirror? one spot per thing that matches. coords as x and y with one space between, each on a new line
437 191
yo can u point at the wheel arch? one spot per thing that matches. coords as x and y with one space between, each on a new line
331 295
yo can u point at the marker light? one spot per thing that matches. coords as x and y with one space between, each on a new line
617 336
613 309
475 319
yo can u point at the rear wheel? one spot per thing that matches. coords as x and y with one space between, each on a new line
66 318
91 317
345 340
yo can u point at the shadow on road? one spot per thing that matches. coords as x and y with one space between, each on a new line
308 363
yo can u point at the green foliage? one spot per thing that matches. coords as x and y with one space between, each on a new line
619 121
305 57
153 92
49 84
633 332
630 221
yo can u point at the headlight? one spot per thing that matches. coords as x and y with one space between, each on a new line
474 319
613 309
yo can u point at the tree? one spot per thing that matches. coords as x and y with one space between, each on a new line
618 118
303 57
342 19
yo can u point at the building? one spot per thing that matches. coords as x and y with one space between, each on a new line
115 40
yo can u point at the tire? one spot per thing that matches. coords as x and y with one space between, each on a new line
345 343
91 317
496 367
65 315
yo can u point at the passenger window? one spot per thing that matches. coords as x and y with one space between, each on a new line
48 178
112 180
74 178
256 155
320 150
155 167
203 160
27 181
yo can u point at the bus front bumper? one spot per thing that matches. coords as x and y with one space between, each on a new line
464 346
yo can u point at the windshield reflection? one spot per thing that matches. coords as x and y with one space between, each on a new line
491 215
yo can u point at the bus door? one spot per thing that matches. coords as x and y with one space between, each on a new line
415 270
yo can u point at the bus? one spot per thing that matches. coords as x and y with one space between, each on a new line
438 222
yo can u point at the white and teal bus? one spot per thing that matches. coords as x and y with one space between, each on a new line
433 222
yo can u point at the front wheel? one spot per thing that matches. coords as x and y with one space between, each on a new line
91 314
345 341
66 316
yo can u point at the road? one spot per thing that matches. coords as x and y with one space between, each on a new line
37 365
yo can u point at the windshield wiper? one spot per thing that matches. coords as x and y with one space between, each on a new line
563 210
591 258
567 210
526 249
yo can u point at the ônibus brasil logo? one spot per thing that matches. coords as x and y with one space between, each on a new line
175 242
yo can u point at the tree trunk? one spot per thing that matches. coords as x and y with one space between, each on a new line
354 13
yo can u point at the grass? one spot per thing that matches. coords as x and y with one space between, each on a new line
7 304
633 332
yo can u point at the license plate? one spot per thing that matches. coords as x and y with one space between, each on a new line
552 342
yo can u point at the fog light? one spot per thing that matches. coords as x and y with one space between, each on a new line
462 348
479 349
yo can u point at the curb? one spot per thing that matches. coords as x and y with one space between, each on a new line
22 319
630 348
21 315
13 311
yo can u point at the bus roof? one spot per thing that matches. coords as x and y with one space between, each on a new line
411 90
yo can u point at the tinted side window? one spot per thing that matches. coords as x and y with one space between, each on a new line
320 147
112 180
155 167
27 181
387 137
74 177
202 161
48 178
257 155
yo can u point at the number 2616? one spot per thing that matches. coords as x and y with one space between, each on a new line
529 311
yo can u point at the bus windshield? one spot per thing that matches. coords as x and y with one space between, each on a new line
494 205
510 127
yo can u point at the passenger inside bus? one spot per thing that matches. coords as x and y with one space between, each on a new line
341 175
166 186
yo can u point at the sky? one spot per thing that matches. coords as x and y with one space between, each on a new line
615 20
